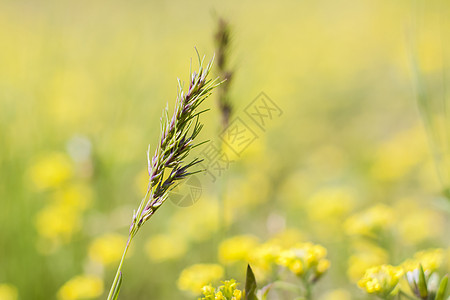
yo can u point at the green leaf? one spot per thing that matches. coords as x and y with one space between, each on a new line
422 284
442 287
250 285
117 287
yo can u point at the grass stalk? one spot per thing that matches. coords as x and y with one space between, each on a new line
167 166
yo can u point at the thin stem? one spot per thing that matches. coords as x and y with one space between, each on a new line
308 289
119 269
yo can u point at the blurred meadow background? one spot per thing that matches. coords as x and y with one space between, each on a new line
357 162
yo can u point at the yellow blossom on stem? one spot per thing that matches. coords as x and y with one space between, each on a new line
227 291
431 260
381 280
305 260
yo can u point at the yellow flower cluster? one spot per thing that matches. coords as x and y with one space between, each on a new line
431 260
195 277
227 291
370 221
305 260
81 287
381 280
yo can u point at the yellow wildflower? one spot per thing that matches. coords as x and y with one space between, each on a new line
237 248
164 247
81 287
195 277
208 292
107 248
305 259
370 221
431 260
227 291
381 280
50 171
8 292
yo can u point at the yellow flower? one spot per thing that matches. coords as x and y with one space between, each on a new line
8 292
237 248
370 221
431 260
381 280
164 247
81 287
208 292
227 291
107 248
195 277
50 171
305 259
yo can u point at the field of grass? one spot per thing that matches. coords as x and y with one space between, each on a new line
355 159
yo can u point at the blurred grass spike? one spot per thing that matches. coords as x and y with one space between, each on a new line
176 141
222 41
